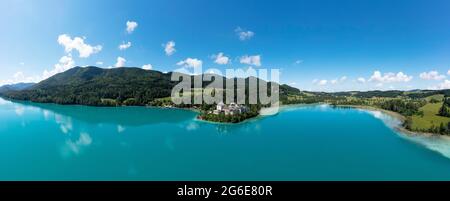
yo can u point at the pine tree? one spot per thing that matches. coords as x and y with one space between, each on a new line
442 129
443 111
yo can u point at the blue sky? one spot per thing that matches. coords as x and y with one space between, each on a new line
320 45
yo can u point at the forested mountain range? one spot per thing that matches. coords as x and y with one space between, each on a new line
106 87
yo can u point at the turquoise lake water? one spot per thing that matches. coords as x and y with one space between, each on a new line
54 142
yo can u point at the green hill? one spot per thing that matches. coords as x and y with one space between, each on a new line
92 85
106 87
15 87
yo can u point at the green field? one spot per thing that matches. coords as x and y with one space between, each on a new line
430 117
435 97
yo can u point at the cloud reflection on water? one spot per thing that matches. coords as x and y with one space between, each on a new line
120 128
4 102
19 110
76 146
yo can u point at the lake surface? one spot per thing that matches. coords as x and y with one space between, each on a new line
53 142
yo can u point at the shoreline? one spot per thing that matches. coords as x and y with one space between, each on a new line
229 123
399 127
401 118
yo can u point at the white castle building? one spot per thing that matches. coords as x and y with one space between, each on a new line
230 109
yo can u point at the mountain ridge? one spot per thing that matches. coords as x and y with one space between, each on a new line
16 87
98 86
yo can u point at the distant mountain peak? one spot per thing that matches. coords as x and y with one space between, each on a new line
16 87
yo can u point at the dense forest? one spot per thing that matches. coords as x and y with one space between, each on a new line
109 87
98 87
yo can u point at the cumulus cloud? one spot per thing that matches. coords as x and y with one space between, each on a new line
124 46
333 81
244 34
78 44
191 63
442 85
99 63
361 80
340 80
120 62
131 26
221 59
389 77
251 60
19 77
169 48
147 67
65 63
322 82
432 75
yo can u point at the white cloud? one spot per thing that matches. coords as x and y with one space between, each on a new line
432 75
22 63
20 77
77 43
389 77
120 62
361 80
342 79
333 81
244 34
147 67
298 61
251 60
190 62
443 85
221 59
131 26
124 46
99 63
448 72
65 63
322 82
169 48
